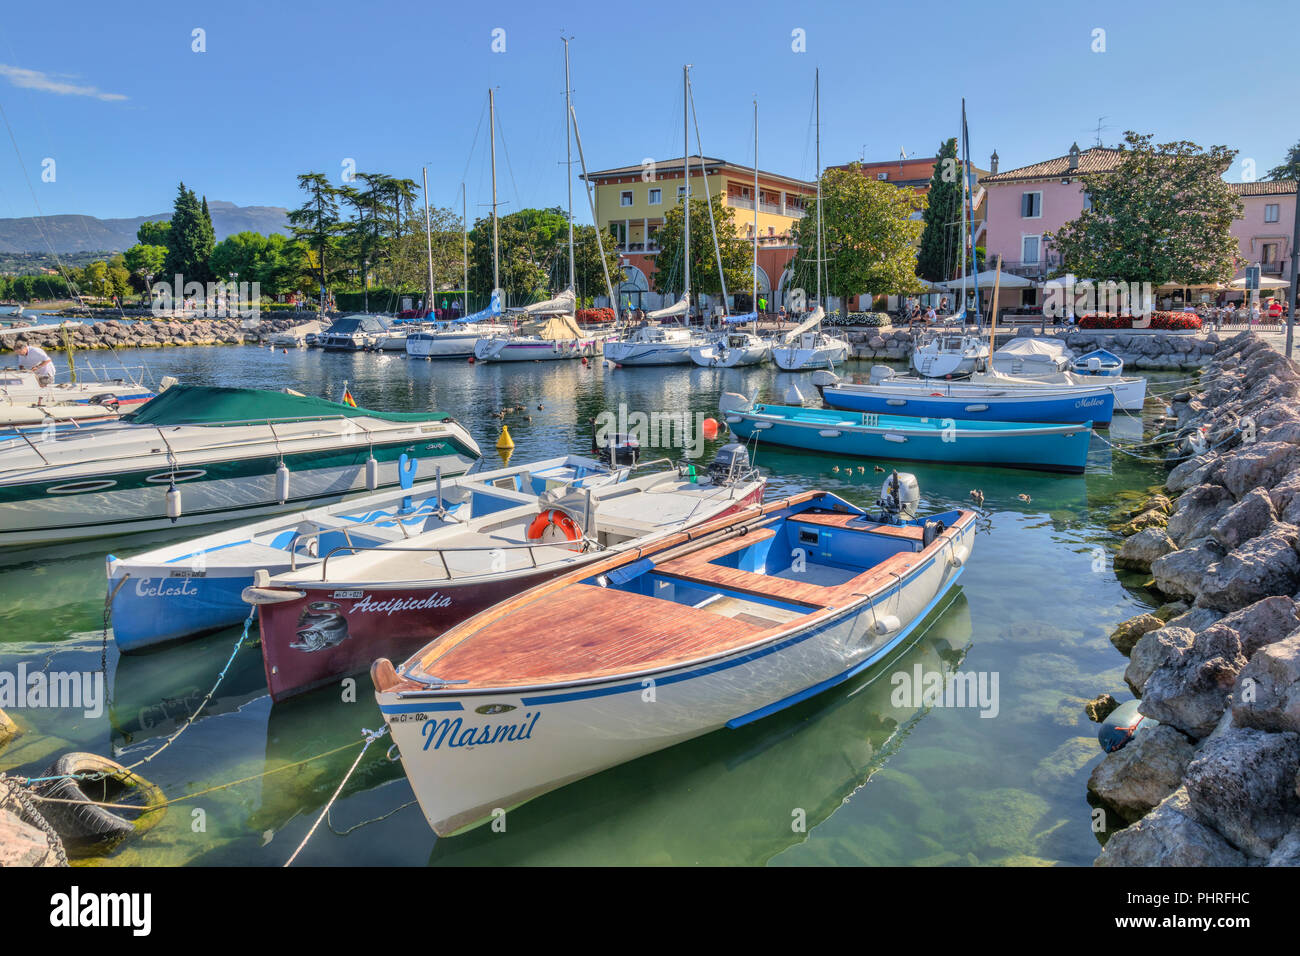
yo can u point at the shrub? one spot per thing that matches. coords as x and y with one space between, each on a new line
592 316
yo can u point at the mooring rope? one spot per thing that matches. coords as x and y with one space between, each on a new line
371 737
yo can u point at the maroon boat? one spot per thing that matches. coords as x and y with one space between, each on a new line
362 603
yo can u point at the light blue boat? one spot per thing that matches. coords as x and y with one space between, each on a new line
1098 362
1038 447
976 402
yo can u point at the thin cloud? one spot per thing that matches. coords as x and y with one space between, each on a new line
36 80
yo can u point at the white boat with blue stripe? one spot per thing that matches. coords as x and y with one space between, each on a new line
709 629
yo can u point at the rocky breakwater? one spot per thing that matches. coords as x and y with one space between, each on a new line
158 333
1217 781
893 345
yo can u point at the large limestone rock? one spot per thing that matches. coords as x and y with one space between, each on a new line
1134 779
1179 573
1193 471
1267 692
1197 511
1265 565
1249 517
1242 783
1285 496
1262 464
1189 689
1131 631
1152 650
1137 552
1169 836
1287 852
22 844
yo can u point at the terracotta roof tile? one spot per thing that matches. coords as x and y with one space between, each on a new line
1098 159
1270 187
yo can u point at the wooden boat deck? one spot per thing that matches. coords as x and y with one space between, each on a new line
588 631
835 519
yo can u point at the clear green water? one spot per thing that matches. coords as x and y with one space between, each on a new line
873 782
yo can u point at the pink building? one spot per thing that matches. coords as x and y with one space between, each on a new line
1027 204
1265 230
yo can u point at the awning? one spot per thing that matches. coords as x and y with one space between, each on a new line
1009 281
1264 283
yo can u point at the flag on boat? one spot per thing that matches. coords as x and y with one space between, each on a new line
347 397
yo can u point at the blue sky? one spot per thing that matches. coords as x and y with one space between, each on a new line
118 98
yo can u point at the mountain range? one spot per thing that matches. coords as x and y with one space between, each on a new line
90 234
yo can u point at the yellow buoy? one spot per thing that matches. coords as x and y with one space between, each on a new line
505 441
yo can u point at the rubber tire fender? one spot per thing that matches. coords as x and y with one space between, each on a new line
86 828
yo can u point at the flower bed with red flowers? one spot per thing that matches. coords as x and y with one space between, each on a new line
1162 321
594 316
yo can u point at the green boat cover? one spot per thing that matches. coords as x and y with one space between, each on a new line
210 405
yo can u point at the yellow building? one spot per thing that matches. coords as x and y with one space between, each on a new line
631 202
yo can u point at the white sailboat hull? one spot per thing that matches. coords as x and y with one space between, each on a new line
534 350
648 353
793 359
715 356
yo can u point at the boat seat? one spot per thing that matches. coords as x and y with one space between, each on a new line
698 567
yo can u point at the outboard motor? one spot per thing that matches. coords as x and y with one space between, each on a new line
617 451
729 464
900 496
881 373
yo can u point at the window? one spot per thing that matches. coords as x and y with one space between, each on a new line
1031 205
1268 254
656 197
1087 201
625 198
1029 249
681 193
1270 212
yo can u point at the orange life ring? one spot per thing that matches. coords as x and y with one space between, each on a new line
540 529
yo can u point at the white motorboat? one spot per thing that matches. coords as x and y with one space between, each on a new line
650 343
711 629
296 337
353 333
195 455
1031 357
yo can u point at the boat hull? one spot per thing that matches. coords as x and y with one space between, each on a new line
548 736
389 621
445 345
648 353
800 360
534 350
1062 448
710 356
1096 408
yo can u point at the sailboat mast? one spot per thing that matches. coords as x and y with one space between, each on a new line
686 196
963 214
464 248
817 100
753 300
970 190
492 138
428 236
568 159
591 202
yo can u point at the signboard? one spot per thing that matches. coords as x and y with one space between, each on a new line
1252 278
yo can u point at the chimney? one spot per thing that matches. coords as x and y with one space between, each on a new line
993 163
1074 156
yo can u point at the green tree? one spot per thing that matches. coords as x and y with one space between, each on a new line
937 257
145 260
1290 168
153 233
587 269
737 254
1162 215
316 223
189 241
868 237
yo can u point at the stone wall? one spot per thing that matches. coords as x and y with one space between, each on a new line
1218 781
158 333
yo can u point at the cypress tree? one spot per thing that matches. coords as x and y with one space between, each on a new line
190 239
936 259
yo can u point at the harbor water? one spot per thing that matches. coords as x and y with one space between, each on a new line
870 772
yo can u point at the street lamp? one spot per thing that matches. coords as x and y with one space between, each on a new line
365 283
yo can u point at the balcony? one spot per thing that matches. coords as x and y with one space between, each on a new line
770 207
740 202
1270 268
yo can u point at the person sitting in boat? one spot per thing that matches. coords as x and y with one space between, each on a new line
36 359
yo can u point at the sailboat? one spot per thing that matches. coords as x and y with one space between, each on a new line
941 354
807 346
543 331
732 348
651 343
